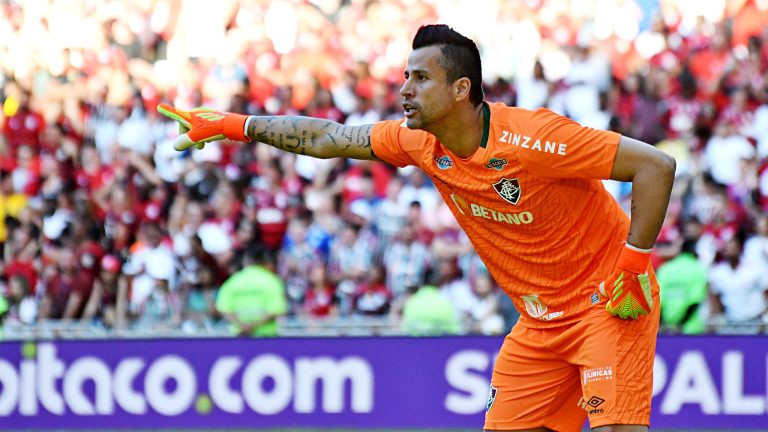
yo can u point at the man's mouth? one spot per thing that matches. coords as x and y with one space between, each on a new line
409 109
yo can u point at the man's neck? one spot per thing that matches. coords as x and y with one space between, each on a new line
463 133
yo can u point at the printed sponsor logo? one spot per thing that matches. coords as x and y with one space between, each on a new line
42 382
496 164
602 373
552 315
509 189
443 162
469 208
534 143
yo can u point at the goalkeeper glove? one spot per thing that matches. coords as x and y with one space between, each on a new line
202 125
629 290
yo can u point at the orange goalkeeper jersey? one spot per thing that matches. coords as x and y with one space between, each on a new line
531 201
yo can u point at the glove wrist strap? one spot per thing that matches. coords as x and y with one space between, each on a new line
234 127
634 259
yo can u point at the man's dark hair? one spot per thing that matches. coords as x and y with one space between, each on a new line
257 254
460 56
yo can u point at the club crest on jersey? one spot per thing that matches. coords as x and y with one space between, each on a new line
491 398
496 164
509 189
443 162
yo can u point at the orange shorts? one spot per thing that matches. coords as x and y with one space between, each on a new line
600 367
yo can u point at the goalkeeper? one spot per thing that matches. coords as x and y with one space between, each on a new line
526 188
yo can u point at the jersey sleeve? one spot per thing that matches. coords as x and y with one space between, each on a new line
396 144
578 151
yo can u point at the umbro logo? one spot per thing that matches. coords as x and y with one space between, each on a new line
591 405
496 164
595 401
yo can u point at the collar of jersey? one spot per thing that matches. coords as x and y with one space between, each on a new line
486 124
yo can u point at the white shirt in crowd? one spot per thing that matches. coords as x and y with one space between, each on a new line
741 290
723 156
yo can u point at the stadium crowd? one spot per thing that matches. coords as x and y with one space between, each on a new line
102 221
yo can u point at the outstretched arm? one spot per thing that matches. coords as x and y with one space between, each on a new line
302 135
312 136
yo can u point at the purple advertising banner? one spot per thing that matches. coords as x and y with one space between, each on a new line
700 382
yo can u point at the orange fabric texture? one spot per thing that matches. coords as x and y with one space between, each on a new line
633 260
532 203
600 367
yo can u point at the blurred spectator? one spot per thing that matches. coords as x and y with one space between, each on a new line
22 305
485 315
296 255
162 308
198 300
407 262
533 91
66 288
11 202
150 260
22 251
253 298
415 218
372 296
350 258
725 152
419 189
26 174
23 125
756 246
320 299
637 110
455 288
108 302
365 112
587 77
391 215
683 282
738 288
429 313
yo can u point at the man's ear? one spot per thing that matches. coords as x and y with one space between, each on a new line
462 87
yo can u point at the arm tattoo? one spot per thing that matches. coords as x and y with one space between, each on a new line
312 136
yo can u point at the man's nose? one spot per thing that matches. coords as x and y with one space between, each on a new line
406 90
